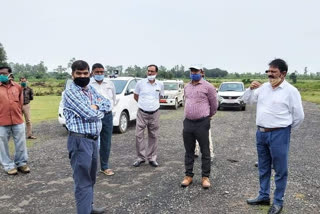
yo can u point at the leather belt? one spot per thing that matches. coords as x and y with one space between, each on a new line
198 120
89 136
148 112
263 129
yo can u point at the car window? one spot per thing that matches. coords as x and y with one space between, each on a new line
132 85
119 85
231 87
170 86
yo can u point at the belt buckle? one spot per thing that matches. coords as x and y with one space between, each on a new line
262 129
95 137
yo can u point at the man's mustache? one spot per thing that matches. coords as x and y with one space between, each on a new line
271 77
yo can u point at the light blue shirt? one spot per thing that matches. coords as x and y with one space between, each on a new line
149 94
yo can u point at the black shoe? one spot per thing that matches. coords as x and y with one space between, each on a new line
256 164
137 163
275 209
98 210
153 163
257 201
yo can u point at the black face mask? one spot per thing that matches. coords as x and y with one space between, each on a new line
82 81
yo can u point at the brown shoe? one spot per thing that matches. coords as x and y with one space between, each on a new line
12 171
186 181
24 169
205 183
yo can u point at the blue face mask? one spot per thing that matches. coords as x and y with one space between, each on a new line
195 77
98 77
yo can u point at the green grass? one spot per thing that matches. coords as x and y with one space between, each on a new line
44 108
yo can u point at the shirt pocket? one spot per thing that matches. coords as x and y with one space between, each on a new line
15 96
202 94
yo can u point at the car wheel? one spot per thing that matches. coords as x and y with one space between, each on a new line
176 105
123 122
244 108
182 102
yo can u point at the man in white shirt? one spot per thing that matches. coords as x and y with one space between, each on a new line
106 89
279 108
147 93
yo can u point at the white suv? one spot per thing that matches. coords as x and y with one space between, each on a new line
230 95
125 108
173 93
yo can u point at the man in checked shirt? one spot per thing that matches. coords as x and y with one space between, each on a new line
83 109
200 106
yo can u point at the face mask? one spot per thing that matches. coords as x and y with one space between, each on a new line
151 77
98 77
4 79
275 81
195 77
82 81
23 84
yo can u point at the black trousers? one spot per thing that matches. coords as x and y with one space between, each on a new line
197 130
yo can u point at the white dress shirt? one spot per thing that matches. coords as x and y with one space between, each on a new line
106 89
279 107
149 94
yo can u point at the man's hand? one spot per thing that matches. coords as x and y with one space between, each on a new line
254 85
95 107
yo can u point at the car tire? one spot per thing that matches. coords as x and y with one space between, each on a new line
243 108
176 105
182 102
123 122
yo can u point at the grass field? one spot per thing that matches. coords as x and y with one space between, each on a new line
44 108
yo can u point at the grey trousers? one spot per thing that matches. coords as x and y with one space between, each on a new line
147 151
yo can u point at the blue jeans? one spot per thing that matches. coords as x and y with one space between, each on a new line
105 140
273 149
83 154
19 138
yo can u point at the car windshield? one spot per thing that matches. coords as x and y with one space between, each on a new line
119 84
231 87
170 86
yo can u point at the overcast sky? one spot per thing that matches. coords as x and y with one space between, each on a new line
235 35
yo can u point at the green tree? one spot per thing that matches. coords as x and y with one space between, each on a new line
3 56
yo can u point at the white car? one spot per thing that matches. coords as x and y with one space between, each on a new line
173 93
125 108
230 95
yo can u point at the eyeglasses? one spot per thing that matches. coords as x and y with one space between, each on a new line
151 71
273 72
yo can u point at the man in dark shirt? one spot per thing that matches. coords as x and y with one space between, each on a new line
27 96
11 124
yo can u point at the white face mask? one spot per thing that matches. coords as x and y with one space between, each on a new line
153 77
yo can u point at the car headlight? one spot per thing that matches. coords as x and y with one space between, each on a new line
220 98
240 98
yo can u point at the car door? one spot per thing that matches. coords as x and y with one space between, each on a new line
132 104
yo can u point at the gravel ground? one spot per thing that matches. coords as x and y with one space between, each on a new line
49 187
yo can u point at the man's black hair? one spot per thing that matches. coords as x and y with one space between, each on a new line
79 65
6 67
280 64
21 78
154 66
97 65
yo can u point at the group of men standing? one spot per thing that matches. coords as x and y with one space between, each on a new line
88 111
15 102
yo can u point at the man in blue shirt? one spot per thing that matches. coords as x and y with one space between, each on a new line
83 109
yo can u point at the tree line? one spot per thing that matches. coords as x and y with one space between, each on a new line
40 71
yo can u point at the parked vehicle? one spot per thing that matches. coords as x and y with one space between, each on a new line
125 108
173 93
230 95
